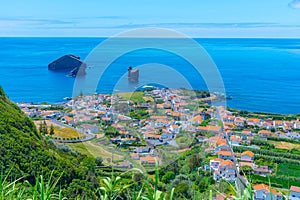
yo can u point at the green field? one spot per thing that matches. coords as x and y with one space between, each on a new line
133 96
288 170
280 182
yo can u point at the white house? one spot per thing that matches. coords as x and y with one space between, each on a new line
174 128
227 170
224 169
262 192
214 164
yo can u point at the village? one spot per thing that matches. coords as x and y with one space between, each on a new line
154 125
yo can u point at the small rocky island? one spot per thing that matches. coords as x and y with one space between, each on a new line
133 75
69 62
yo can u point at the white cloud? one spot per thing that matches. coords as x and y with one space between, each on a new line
295 4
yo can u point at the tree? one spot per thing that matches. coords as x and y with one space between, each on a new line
168 177
45 128
51 130
41 128
246 170
99 161
194 161
183 190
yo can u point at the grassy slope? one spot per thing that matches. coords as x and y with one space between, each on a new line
24 151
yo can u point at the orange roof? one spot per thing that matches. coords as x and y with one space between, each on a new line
149 159
276 193
159 117
225 153
67 118
249 153
229 124
233 137
264 132
151 135
256 120
278 122
175 126
218 159
226 162
221 141
134 155
163 120
209 128
176 114
295 189
260 187
197 118
266 188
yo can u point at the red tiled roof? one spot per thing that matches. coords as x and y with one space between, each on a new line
295 189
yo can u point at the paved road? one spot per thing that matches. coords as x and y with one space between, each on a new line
88 136
241 180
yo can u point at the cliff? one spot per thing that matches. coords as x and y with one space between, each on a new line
69 62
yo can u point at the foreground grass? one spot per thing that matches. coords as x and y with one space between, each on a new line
111 188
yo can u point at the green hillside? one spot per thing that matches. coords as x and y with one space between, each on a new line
24 151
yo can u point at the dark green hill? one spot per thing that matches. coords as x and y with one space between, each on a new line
27 153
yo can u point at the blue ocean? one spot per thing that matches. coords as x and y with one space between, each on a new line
258 74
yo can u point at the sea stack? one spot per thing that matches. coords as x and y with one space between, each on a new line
69 62
133 75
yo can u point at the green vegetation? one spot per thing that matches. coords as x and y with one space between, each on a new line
285 165
133 96
277 181
294 141
262 115
288 170
195 93
285 157
26 154
139 114
263 144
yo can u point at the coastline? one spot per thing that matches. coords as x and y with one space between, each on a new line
212 98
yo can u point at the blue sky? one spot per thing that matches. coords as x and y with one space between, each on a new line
196 18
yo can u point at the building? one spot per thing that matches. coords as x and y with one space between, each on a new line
225 155
263 192
262 170
227 170
295 193
215 163
247 156
148 160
